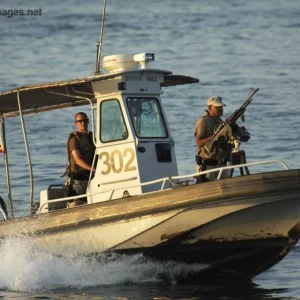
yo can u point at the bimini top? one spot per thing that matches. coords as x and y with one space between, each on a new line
55 95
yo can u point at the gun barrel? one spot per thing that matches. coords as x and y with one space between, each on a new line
240 112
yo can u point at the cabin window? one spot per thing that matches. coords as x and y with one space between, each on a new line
112 126
147 118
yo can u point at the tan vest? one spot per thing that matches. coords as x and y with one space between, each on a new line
210 126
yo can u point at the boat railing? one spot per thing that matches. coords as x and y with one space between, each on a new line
231 167
168 179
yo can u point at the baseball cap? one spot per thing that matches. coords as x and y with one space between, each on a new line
215 101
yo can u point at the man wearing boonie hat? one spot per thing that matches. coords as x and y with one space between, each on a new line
205 127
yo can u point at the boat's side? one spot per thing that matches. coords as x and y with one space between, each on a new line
231 222
182 220
244 242
142 231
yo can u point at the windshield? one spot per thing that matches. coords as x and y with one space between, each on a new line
147 118
112 126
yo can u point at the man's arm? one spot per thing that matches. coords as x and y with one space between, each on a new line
201 141
201 133
79 161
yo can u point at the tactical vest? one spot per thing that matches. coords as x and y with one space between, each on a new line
224 149
87 151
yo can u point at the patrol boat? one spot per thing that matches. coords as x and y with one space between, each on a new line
137 202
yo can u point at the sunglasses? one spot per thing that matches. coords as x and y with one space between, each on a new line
82 121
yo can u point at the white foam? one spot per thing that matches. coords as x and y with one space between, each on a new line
25 268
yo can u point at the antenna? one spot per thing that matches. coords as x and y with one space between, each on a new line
99 44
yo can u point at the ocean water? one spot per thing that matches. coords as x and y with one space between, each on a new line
230 46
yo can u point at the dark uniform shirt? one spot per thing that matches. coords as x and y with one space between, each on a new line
83 143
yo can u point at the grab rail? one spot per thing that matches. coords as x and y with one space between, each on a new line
221 169
165 179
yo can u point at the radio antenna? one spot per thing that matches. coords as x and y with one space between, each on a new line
99 44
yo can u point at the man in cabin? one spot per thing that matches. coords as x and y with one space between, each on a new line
205 127
81 150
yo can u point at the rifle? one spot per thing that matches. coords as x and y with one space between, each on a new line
208 150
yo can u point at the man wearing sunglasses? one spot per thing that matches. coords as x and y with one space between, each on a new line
205 127
81 151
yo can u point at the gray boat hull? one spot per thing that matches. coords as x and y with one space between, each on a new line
242 225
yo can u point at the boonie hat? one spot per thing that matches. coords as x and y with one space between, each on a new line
215 101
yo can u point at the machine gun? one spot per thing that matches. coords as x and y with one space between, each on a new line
208 150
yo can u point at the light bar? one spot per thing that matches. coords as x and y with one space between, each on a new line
143 59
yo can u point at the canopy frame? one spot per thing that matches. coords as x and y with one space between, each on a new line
24 132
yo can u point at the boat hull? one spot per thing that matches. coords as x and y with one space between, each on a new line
240 225
236 259
238 244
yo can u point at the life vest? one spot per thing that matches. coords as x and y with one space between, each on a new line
87 151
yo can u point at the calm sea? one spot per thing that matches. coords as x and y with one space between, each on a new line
230 46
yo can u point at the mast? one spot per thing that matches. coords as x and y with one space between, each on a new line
99 44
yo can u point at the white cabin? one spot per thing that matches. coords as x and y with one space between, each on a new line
134 144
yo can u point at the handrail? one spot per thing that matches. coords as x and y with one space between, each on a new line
165 179
70 198
221 169
235 166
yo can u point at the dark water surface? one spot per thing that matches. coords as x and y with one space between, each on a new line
229 45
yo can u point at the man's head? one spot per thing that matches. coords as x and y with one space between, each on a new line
81 122
215 106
